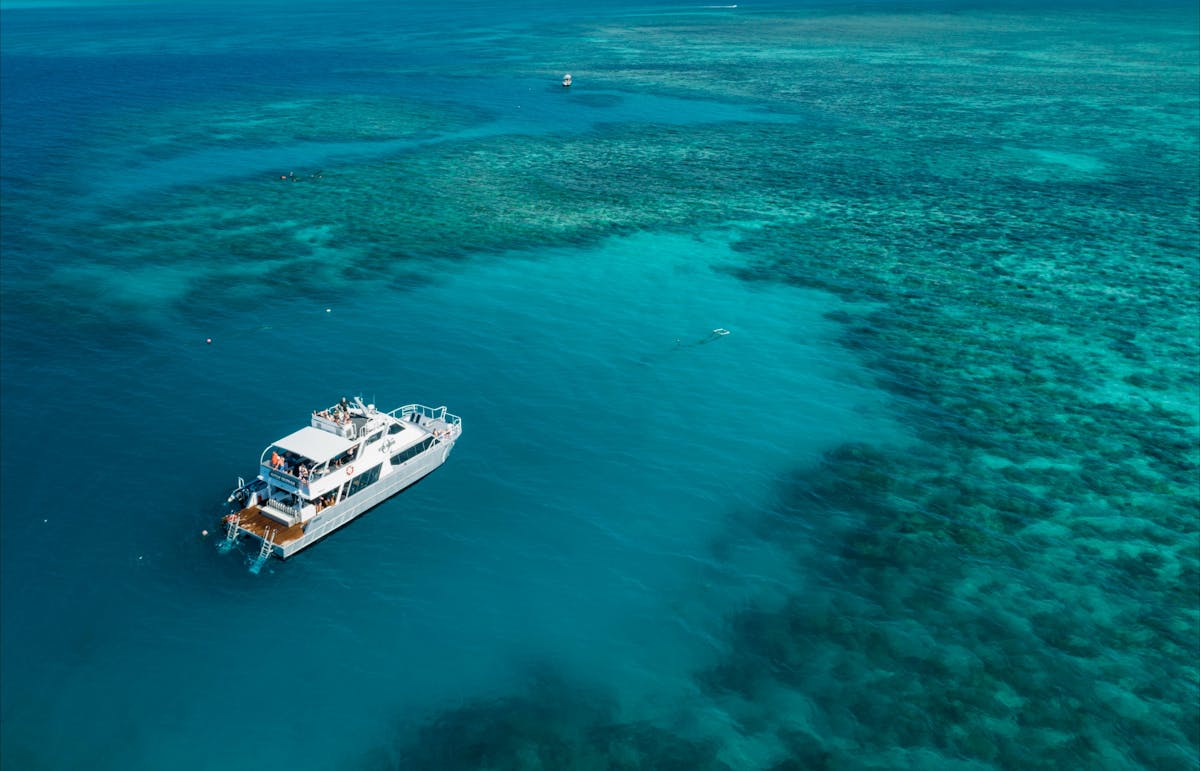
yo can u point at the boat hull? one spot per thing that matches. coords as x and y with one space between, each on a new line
336 517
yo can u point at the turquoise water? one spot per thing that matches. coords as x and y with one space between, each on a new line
932 503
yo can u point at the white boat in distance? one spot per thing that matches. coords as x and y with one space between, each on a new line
350 458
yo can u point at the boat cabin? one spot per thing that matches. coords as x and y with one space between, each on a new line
341 451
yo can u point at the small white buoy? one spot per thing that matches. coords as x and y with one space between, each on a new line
45 520
329 310
208 340
567 80
204 534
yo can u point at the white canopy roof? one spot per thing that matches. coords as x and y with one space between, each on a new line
314 444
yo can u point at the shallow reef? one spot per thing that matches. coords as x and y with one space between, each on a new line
1018 585
552 725
927 631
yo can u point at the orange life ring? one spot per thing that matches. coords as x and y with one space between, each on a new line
350 471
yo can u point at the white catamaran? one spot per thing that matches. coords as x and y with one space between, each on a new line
350 458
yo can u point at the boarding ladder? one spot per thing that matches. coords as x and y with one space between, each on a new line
264 552
232 531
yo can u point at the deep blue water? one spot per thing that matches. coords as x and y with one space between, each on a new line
931 504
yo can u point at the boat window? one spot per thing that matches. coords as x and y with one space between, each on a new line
375 437
412 452
364 479
395 429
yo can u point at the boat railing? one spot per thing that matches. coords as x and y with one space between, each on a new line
344 429
318 471
279 475
432 413
291 511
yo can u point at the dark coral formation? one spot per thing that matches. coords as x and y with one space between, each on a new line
553 726
927 631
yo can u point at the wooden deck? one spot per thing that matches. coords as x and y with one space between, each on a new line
254 521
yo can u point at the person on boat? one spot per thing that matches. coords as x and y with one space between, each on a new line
276 460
